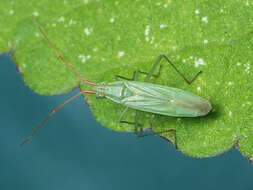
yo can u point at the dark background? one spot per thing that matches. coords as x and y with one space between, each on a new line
72 151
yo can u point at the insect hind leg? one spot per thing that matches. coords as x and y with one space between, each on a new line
139 132
152 70
185 79
173 131
142 133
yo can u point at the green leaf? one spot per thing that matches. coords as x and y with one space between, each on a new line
104 38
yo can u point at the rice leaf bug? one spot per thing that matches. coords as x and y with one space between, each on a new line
140 96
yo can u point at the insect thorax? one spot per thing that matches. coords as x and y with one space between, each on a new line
116 91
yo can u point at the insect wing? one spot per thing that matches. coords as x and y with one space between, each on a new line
164 100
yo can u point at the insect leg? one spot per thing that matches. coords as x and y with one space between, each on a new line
135 74
135 123
185 79
118 76
138 129
122 114
150 73
134 77
153 75
168 131
140 134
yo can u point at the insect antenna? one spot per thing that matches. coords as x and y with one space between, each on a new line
53 112
60 56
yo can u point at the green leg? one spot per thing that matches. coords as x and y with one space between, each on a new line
152 70
141 133
135 75
138 129
167 59
149 74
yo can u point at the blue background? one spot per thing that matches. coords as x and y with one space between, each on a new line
72 151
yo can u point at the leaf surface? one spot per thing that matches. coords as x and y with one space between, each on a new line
104 38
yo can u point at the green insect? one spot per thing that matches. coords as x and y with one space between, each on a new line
142 96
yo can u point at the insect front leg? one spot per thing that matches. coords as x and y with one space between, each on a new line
185 79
